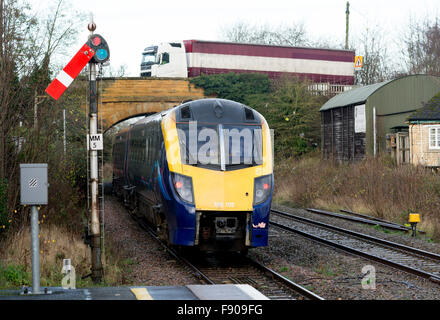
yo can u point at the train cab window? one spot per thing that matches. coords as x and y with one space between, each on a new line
242 146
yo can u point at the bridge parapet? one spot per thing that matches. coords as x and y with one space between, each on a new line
124 98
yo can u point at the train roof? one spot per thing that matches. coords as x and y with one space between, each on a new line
212 110
215 111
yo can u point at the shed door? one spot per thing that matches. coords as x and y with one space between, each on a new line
402 147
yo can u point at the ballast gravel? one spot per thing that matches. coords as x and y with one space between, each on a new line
330 273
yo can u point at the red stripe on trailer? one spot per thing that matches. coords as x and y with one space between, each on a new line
333 79
55 89
246 49
79 61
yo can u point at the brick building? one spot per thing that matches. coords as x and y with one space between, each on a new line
424 134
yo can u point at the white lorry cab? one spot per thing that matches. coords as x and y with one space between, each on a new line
165 60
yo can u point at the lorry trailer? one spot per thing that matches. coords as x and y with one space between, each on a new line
192 58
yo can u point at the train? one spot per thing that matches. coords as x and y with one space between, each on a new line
200 173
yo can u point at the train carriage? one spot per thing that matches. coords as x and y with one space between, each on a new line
201 173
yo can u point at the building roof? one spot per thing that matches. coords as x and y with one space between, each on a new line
353 97
430 111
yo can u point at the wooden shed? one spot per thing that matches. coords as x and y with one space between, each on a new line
424 134
364 120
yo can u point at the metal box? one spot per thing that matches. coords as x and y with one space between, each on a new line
33 183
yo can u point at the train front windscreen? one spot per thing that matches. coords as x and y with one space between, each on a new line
220 146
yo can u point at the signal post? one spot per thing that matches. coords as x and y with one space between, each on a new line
94 51
102 54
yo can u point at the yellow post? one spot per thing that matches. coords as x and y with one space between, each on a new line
414 218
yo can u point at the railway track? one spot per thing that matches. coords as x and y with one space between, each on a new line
239 270
419 262
363 219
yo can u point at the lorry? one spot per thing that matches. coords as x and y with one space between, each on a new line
192 58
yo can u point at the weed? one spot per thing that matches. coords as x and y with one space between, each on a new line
284 269
14 276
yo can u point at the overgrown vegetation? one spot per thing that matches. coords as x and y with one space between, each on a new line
31 131
56 243
374 186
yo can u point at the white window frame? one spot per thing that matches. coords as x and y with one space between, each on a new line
437 137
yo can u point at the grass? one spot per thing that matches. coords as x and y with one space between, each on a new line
326 270
375 187
56 244
284 269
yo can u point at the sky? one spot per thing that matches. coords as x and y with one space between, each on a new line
131 25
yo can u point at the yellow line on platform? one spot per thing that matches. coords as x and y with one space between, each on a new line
141 293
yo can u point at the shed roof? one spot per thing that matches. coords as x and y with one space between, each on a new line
353 96
430 111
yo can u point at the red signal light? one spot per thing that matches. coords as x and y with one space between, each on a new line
266 186
96 41
178 184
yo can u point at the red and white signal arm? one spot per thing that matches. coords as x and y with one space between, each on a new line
70 72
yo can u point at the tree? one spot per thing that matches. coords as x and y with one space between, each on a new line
28 45
283 35
292 111
421 50
372 46
288 105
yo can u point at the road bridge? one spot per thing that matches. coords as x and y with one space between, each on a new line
124 98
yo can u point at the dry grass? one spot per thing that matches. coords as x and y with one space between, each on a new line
56 244
373 186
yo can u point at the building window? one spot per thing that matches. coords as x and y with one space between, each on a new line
434 137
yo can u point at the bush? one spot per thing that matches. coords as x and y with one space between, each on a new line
14 276
233 86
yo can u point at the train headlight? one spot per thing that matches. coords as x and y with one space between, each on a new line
183 186
262 188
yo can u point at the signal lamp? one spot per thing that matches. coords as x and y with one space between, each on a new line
96 41
99 45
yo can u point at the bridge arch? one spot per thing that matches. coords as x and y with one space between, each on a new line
124 98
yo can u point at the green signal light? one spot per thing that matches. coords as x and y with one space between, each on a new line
101 54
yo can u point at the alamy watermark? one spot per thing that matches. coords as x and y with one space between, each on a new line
369 280
69 279
221 145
